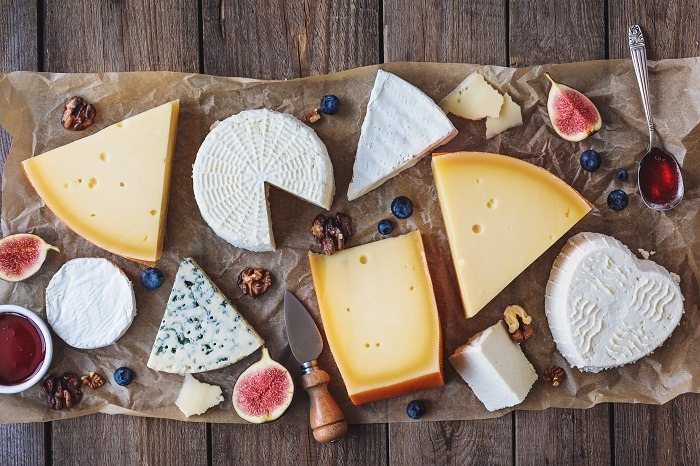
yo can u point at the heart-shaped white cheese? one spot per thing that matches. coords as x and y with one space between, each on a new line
605 307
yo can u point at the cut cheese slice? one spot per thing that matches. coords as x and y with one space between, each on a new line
501 214
381 320
510 117
474 99
201 330
238 159
112 187
401 126
197 397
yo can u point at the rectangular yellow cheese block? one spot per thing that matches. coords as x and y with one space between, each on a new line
380 317
112 187
501 214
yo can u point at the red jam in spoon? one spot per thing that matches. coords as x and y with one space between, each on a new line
22 348
660 179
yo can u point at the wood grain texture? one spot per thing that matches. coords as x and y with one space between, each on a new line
550 31
665 434
102 439
454 442
445 31
287 39
563 436
22 444
671 28
143 35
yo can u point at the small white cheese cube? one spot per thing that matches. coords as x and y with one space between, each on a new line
495 368
197 397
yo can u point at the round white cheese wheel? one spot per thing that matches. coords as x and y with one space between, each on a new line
90 303
242 156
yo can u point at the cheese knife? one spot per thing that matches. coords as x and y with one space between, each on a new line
326 418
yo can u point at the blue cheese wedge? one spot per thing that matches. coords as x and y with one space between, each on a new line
201 330
402 124
607 308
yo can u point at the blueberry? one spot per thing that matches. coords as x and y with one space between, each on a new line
385 227
622 175
617 200
152 278
590 160
330 104
415 409
123 376
402 207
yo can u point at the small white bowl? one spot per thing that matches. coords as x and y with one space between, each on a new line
48 354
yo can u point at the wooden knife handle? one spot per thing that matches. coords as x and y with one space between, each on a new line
327 420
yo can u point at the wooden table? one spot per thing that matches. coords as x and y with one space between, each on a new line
287 39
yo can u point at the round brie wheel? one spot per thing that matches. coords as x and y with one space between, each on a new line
90 303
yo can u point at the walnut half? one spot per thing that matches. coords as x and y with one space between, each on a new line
332 233
77 114
518 323
554 375
254 281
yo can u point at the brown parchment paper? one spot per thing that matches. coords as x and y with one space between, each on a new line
30 107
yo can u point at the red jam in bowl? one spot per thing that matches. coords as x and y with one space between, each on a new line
22 348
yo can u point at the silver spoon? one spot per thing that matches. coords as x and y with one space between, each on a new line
659 177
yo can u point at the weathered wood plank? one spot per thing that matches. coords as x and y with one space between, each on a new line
448 31
140 35
103 439
281 40
123 36
445 31
547 31
665 434
20 444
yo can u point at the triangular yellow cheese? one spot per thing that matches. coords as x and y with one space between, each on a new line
501 214
112 187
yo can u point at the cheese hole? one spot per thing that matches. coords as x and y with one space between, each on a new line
103 157
92 183
410 288
363 259
154 212
347 309
66 185
145 238
377 345
478 180
92 215
567 213
121 184
120 125
491 204
80 180
366 345
477 229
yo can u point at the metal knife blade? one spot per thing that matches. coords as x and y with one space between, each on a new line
302 333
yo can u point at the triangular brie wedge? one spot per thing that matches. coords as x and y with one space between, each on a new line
401 126
501 214
201 330
112 187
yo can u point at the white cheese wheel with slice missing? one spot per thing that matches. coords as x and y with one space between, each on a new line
90 303
245 154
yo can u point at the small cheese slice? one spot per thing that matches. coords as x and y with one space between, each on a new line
510 117
402 124
474 99
197 397
201 330
90 303
495 368
606 307
501 214
238 161
112 187
380 317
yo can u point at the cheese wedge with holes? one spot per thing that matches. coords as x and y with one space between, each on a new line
112 187
402 125
501 214
241 157
380 317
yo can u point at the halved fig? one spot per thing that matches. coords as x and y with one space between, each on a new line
21 256
573 115
264 391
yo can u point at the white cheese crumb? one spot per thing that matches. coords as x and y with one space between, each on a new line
676 277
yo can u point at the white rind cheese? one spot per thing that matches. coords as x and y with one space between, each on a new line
495 368
401 126
90 303
197 397
241 157
201 330
605 307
